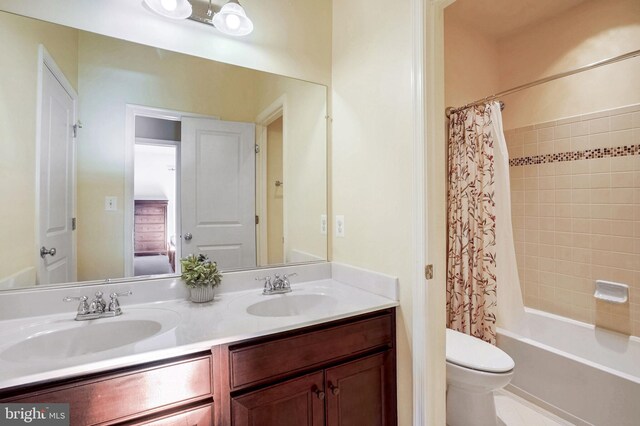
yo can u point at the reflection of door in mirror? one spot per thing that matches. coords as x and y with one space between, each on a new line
218 191
55 166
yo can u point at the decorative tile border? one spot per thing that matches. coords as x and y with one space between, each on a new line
587 154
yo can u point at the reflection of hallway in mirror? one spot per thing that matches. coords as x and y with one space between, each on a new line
275 193
155 208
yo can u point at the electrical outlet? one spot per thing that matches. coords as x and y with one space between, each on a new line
110 203
339 226
323 224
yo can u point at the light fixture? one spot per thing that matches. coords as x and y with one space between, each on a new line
172 9
232 20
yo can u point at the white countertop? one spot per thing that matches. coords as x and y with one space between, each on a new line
194 327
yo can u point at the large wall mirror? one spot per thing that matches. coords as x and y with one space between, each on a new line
117 159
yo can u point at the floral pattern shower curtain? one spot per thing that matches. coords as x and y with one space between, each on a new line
471 257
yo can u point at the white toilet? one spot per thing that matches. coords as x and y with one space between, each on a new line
474 370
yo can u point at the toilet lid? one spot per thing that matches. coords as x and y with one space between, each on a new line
471 352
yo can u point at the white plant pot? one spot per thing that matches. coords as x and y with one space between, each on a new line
202 294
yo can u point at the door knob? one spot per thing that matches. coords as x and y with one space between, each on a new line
188 236
319 394
44 251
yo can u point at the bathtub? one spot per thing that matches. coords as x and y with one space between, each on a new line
584 374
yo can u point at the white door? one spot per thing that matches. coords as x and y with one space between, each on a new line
218 191
56 181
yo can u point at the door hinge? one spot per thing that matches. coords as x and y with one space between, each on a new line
257 220
257 149
77 126
73 223
428 272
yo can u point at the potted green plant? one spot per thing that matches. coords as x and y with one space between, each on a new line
201 276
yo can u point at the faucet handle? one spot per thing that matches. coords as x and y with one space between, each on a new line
285 279
114 305
83 307
267 283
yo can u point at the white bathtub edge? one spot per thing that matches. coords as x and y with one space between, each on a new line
546 406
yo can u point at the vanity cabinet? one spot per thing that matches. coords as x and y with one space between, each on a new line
168 392
337 374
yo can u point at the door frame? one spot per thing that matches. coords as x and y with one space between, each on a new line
429 223
277 109
46 60
133 111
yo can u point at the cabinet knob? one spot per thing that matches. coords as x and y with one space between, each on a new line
334 389
319 394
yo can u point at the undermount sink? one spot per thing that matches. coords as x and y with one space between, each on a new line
288 305
71 339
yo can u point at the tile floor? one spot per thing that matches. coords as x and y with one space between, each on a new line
515 411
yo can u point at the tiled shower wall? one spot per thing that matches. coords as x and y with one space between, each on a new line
575 187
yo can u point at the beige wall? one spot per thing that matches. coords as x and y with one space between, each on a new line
291 38
471 64
478 65
372 152
275 246
590 32
18 86
305 161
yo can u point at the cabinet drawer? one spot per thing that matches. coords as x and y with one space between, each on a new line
267 361
141 227
150 236
150 219
201 416
150 210
158 247
118 397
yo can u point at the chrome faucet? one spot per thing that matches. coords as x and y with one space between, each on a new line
279 284
98 307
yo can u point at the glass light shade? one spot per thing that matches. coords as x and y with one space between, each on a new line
233 20
172 9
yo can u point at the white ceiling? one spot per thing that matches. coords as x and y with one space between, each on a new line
499 18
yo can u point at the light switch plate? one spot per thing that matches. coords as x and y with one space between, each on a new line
110 203
339 225
323 224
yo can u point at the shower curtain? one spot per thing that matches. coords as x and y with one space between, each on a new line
510 303
478 180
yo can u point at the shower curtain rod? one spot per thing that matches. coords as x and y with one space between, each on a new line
629 55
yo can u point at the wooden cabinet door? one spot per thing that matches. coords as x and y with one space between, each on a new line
362 392
296 402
